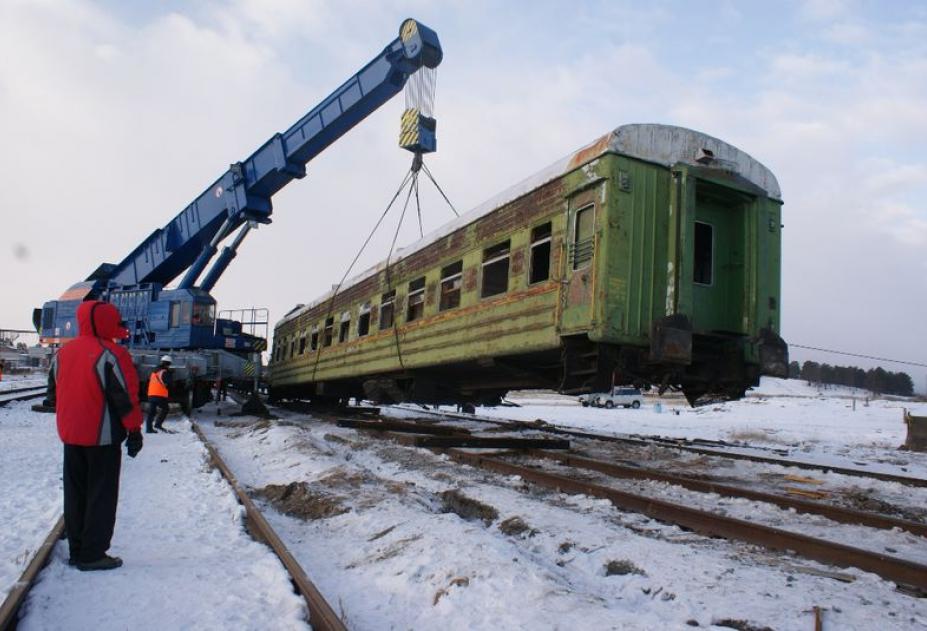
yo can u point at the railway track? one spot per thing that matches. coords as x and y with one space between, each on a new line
702 447
910 577
321 615
22 394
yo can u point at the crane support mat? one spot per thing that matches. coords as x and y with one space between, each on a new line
475 442
403 427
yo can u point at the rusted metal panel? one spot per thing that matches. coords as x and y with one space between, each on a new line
589 152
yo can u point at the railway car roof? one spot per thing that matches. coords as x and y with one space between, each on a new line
667 145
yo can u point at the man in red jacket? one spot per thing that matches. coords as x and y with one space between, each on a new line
94 388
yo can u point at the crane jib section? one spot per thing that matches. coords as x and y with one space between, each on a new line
243 193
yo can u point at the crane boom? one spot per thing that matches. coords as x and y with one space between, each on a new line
183 317
244 192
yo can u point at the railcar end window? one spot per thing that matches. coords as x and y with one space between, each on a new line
363 320
416 308
704 246
583 236
540 254
387 301
451 281
328 333
495 270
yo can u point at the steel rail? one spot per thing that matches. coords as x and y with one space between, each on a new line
905 574
902 572
23 394
321 615
835 513
668 443
9 610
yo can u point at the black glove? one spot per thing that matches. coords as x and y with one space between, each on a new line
134 443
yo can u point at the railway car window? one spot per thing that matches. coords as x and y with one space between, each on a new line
345 328
175 315
416 307
495 270
451 281
540 254
363 320
302 344
386 309
704 244
583 236
314 338
328 333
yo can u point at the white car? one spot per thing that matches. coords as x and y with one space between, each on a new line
620 395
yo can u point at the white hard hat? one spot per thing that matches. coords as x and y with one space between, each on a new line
167 359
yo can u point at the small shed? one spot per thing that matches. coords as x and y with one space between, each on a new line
917 432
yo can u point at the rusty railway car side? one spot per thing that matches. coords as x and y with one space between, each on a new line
651 256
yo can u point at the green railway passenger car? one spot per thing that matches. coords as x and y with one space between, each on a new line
649 257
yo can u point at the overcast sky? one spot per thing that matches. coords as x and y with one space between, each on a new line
115 115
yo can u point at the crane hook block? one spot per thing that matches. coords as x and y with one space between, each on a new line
417 132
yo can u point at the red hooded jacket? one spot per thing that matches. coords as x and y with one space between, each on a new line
93 383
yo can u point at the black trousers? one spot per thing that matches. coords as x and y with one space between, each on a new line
159 405
91 491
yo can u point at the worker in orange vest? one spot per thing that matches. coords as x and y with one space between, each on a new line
158 395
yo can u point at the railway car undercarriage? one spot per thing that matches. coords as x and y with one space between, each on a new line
580 365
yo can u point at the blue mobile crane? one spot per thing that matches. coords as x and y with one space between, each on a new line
182 319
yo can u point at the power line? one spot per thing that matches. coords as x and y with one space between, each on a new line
881 359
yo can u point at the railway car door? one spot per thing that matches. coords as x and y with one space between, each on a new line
579 266
718 257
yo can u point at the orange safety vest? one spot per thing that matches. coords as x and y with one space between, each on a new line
156 387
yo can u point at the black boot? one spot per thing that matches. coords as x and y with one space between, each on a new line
105 563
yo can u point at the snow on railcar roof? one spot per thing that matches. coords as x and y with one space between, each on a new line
661 144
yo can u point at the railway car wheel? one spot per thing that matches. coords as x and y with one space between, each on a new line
609 405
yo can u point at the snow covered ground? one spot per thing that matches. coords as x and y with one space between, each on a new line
188 562
374 526
821 425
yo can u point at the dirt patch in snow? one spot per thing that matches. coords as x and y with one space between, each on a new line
299 500
622 567
342 477
460 581
740 625
514 526
863 499
454 501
